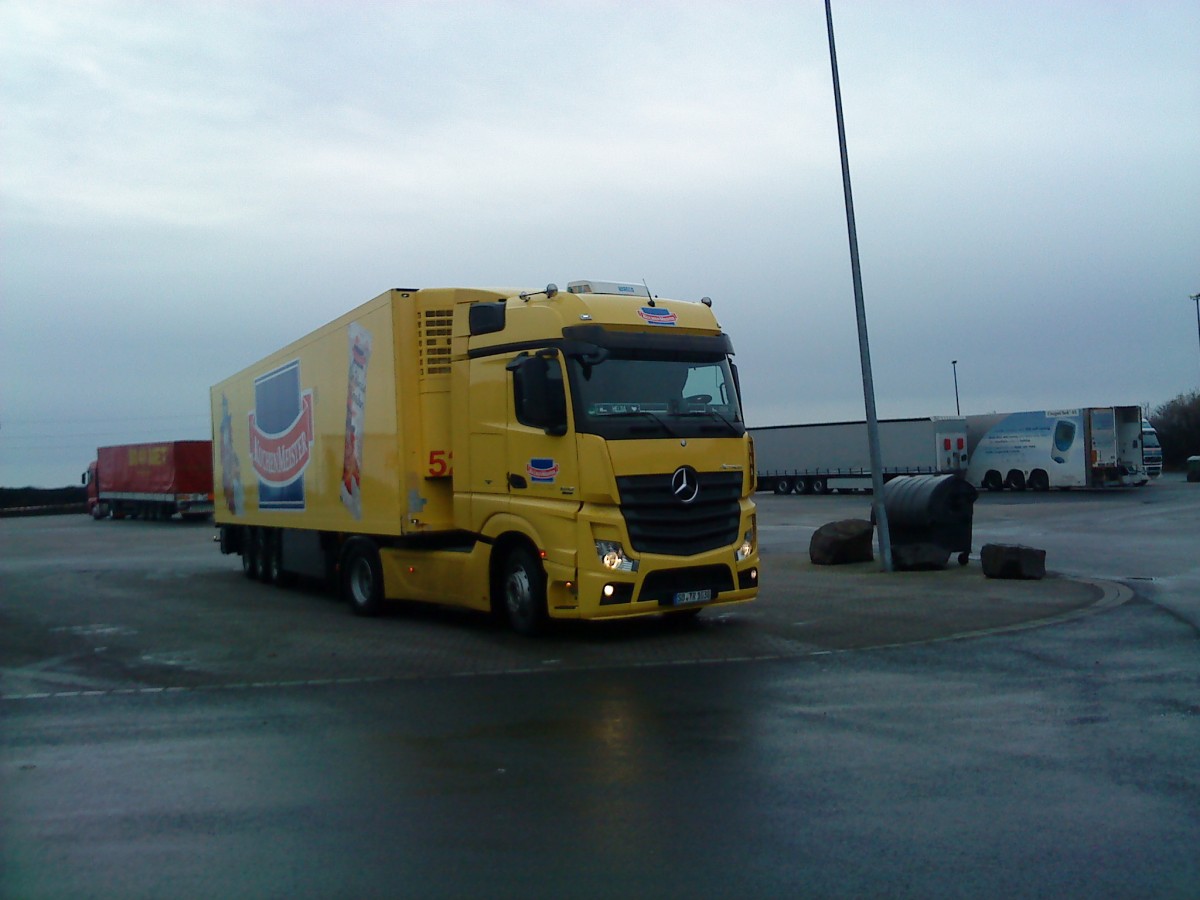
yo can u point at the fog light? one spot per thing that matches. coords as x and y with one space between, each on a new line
613 556
609 590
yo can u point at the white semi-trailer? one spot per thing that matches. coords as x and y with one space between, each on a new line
821 457
1087 447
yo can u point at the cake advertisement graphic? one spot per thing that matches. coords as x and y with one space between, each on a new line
356 399
231 465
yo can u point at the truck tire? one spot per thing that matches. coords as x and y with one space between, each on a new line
783 486
992 481
820 486
249 550
362 577
263 544
1039 481
1015 481
275 571
524 592
804 486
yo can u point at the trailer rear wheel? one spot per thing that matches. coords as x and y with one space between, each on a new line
276 574
249 558
804 486
524 592
992 481
820 486
362 577
783 486
262 555
1039 481
1015 480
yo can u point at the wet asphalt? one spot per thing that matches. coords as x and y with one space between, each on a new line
169 729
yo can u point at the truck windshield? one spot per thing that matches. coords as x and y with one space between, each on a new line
626 397
1150 439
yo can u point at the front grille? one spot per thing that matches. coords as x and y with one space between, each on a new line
659 523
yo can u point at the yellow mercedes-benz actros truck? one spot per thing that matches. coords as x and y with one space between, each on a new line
550 454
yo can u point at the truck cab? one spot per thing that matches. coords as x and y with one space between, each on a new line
1151 450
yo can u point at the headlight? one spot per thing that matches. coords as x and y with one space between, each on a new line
613 556
745 551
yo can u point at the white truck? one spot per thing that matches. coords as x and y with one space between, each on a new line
821 457
1151 449
1086 447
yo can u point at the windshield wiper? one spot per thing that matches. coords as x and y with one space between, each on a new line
712 411
654 416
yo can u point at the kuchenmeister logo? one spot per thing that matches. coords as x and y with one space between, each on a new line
282 458
281 437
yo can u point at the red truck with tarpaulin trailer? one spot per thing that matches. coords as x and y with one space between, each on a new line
151 481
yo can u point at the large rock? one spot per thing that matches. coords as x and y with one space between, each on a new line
838 543
1013 561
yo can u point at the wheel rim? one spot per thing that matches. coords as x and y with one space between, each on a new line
518 594
362 582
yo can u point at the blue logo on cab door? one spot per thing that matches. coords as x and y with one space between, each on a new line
542 470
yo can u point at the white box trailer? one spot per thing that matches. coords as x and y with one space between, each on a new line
1086 447
826 456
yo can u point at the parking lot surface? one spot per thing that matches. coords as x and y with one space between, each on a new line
170 728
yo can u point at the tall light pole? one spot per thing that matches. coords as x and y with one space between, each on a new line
957 408
864 351
1196 299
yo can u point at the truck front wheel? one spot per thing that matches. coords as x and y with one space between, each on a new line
362 577
524 592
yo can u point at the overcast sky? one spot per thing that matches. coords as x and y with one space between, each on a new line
187 186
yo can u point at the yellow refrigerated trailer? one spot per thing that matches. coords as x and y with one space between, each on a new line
550 454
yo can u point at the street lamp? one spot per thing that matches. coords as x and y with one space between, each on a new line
957 408
1196 299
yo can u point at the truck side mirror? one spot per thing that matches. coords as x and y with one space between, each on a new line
538 391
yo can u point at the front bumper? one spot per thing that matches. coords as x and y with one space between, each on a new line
661 583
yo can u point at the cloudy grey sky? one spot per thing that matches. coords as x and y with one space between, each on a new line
186 186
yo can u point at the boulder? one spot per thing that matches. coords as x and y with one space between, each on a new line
841 542
1013 561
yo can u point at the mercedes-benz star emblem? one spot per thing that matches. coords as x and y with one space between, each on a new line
685 484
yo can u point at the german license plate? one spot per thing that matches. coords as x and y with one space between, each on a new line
683 598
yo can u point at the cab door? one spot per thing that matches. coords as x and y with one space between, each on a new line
541 456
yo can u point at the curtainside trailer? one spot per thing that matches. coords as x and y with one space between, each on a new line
151 481
815 458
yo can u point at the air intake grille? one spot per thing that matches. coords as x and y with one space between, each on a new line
433 338
659 523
